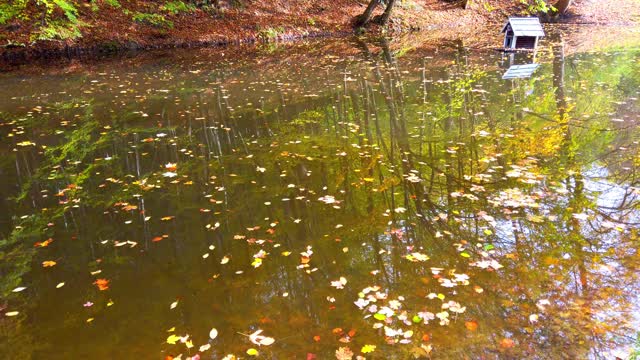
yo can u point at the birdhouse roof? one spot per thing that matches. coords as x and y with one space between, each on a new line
524 26
520 71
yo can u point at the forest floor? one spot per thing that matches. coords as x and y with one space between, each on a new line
105 29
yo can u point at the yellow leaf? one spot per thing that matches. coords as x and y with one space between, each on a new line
172 339
368 349
252 352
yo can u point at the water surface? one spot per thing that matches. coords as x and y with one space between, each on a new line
334 195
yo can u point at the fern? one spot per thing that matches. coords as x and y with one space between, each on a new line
10 10
69 10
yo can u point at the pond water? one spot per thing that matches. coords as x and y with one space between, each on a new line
346 198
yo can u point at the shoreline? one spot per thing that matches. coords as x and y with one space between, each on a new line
235 29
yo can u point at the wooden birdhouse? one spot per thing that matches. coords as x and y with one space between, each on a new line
522 33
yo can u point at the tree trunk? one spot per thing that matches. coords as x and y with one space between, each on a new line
387 12
562 6
365 17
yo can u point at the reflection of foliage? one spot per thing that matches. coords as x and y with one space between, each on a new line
449 166
635 354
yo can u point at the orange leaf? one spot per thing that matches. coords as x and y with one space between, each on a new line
471 325
156 239
44 243
48 263
304 260
425 337
352 333
507 343
337 331
316 338
171 166
102 284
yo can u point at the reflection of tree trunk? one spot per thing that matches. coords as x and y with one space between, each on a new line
575 241
558 78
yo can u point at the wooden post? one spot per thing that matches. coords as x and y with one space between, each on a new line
514 42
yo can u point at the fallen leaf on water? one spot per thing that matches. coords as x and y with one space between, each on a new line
173 305
258 339
44 243
172 339
471 325
48 263
507 343
18 289
368 349
102 284
339 284
213 333
252 352
344 353
171 166
11 313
